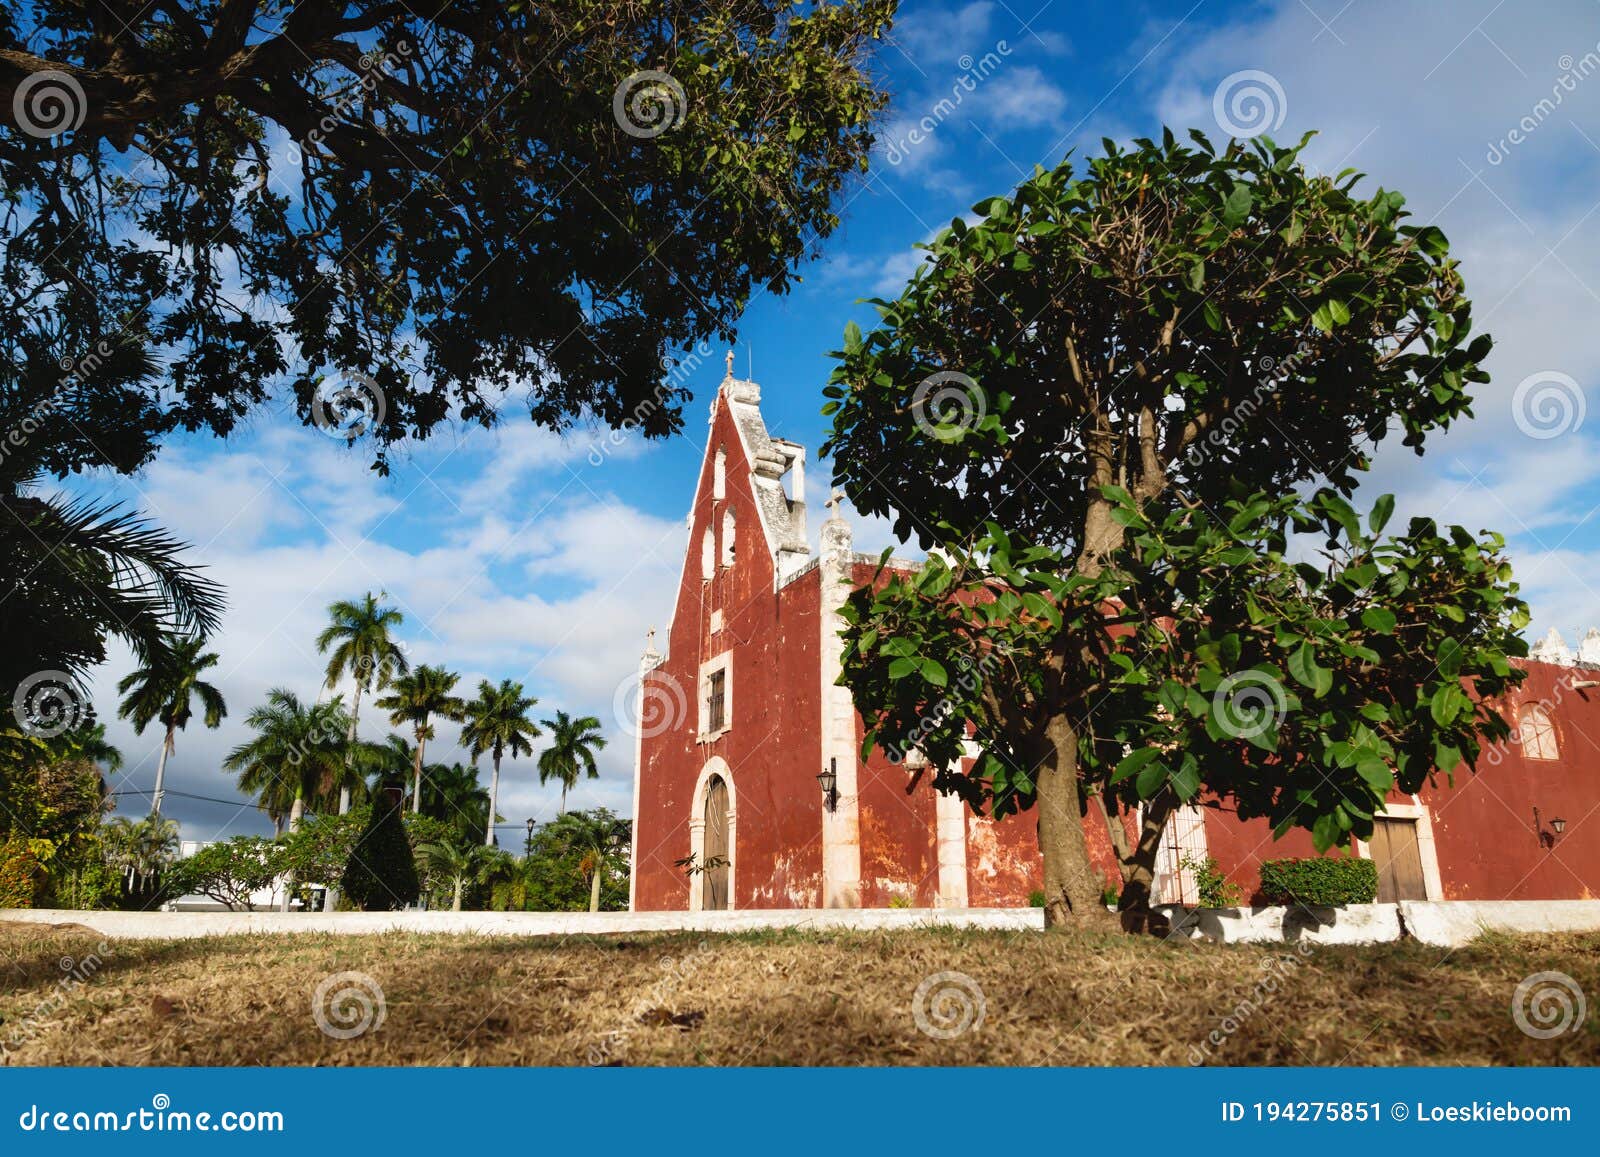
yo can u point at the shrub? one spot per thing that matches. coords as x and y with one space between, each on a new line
1209 880
1036 898
20 872
1324 882
229 871
382 873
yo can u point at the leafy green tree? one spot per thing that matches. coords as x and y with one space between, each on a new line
497 723
445 206
141 850
165 690
382 873
417 699
300 753
596 844
1125 407
361 645
452 795
573 744
458 864
230 871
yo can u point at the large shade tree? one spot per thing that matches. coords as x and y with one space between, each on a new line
164 691
1129 407
437 208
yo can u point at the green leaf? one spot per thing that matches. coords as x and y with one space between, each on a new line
1237 206
1447 704
852 338
1151 780
1306 671
1449 656
1382 509
1134 762
1379 619
901 668
934 673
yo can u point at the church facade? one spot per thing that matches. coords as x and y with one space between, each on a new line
750 791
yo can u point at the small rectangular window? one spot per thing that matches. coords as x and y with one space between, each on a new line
716 701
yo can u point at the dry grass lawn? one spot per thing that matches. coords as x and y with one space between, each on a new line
781 998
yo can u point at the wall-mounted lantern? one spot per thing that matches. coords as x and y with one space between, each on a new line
829 779
1547 839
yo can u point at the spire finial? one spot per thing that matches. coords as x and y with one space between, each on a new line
730 367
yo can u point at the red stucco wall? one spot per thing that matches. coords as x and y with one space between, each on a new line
1483 824
776 714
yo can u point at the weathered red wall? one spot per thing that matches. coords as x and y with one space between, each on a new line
776 714
1483 829
899 826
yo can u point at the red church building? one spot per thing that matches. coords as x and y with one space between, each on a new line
749 789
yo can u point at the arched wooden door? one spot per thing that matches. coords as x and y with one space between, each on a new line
718 853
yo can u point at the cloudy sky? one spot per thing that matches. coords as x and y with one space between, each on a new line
516 554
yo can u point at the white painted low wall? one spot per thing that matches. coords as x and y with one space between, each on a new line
1452 923
192 925
1446 924
1353 924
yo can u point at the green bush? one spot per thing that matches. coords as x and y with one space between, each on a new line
1326 882
228 871
382 873
20 872
1212 885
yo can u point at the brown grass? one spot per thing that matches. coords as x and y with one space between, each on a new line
781 998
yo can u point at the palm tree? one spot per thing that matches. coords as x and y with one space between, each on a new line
497 722
300 752
599 840
416 699
361 646
573 743
164 689
140 849
84 571
454 796
463 863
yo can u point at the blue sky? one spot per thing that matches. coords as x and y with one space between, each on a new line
517 554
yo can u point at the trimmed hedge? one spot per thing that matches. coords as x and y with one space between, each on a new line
1322 882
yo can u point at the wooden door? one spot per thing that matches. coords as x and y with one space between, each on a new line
1394 850
715 896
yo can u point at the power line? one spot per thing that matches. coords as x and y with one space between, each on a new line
188 795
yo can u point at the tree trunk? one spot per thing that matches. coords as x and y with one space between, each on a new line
416 787
1139 870
350 741
1072 892
297 812
494 799
563 798
161 772
594 891
456 905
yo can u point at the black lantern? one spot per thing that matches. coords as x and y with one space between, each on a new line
829 779
1558 825
528 847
